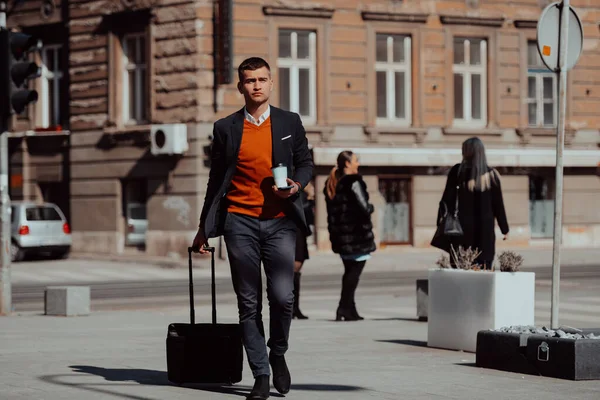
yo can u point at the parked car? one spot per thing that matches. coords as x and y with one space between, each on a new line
38 228
137 224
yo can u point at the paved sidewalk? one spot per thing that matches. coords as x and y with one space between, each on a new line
93 268
121 355
387 259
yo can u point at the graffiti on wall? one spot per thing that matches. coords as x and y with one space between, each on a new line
179 204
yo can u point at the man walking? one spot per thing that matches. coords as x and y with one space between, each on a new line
257 219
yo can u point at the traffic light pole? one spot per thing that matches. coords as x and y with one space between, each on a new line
5 283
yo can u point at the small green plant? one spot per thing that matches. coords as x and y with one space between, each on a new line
443 261
465 258
510 261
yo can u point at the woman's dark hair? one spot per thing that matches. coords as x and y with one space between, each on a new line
479 175
338 171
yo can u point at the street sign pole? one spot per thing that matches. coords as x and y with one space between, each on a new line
559 43
560 145
5 282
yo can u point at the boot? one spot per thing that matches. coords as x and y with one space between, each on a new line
297 313
345 314
355 313
344 311
347 308
281 374
261 389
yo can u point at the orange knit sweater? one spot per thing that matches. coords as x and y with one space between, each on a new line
251 190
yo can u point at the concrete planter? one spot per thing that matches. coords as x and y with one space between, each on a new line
503 351
574 359
462 303
535 354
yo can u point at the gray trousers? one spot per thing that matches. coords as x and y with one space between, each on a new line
249 241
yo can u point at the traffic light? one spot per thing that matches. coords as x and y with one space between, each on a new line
15 70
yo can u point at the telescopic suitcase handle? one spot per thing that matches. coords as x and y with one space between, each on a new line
212 273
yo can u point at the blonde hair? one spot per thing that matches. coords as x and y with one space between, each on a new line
484 181
480 176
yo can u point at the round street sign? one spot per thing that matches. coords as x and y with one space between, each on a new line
548 37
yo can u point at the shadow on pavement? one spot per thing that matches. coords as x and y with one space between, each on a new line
408 342
237 390
399 319
467 364
141 376
132 377
104 388
325 387
149 377
159 378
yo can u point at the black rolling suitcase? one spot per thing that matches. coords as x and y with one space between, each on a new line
204 353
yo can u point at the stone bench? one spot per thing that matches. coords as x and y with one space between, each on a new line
67 300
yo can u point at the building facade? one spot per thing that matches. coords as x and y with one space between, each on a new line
402 83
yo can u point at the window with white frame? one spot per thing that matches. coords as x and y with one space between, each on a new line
470 77
50 85
297 73
541 90
134 78
393 77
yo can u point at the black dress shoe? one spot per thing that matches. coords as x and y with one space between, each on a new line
281 374
261 389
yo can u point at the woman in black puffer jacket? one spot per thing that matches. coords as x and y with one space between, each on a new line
350 227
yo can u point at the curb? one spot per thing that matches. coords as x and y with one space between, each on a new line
166 262
181 262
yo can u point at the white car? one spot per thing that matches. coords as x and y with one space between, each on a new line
137 224
38 228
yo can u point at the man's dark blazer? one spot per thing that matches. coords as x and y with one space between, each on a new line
290 147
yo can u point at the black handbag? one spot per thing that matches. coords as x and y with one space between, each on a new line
448 224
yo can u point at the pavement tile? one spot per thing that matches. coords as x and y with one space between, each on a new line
122 355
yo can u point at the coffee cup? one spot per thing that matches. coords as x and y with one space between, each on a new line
280 175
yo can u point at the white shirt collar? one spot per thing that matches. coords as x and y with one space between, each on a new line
260 120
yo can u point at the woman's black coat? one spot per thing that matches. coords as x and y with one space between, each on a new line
349 217
477 212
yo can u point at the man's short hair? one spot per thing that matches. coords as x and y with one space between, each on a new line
252 64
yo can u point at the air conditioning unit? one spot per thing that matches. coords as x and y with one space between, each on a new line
168 139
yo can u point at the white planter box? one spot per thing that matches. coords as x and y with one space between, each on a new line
461 303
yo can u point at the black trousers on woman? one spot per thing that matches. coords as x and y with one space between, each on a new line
347 306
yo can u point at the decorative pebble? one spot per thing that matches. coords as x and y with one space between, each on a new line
565 332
